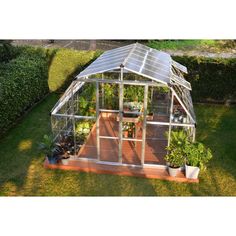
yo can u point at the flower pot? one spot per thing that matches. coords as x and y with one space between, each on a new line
191 172
52 160
149 116
65 161
173 171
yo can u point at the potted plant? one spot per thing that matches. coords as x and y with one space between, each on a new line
197 156
65 158
50 149
149 115
175 160
66 145
175 157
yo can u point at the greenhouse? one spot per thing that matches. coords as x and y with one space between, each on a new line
121 109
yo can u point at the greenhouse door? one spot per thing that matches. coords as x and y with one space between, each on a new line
108 130
132 126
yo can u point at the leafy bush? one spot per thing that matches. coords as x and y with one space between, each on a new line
182 151
23 81
175 158
7 51
176 154
197 154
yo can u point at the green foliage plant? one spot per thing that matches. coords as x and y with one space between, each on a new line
176 155
197 155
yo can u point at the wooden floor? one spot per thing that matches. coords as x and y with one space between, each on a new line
131 151
145 172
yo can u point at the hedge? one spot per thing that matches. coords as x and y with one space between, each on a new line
7 51
23 81
27 74
212 80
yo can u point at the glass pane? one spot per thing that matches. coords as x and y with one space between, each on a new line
179 115
158 103
108 124
156 142
86 144
109 96
109 150
85 100
131 152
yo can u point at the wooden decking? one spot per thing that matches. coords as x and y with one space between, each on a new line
98 168
86 160
131 151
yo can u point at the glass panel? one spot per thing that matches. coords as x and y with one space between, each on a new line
131 153
62 128
179 115
86 142
108 124
109 150
132 123
109 96
107 61
85 100
158 104
156 142
133 111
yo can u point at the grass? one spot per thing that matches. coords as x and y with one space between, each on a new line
22 172
201 45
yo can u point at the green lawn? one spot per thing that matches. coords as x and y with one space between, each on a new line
22 172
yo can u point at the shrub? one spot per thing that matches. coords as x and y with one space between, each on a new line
7 51
197 154
23 82
181 151
176 154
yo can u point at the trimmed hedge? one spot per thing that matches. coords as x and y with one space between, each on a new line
7 51
27 74
212 80
23 81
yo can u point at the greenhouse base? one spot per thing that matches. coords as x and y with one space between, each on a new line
152 172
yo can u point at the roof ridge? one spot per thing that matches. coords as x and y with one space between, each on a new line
131 51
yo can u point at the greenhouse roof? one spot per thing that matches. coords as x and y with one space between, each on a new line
142 60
